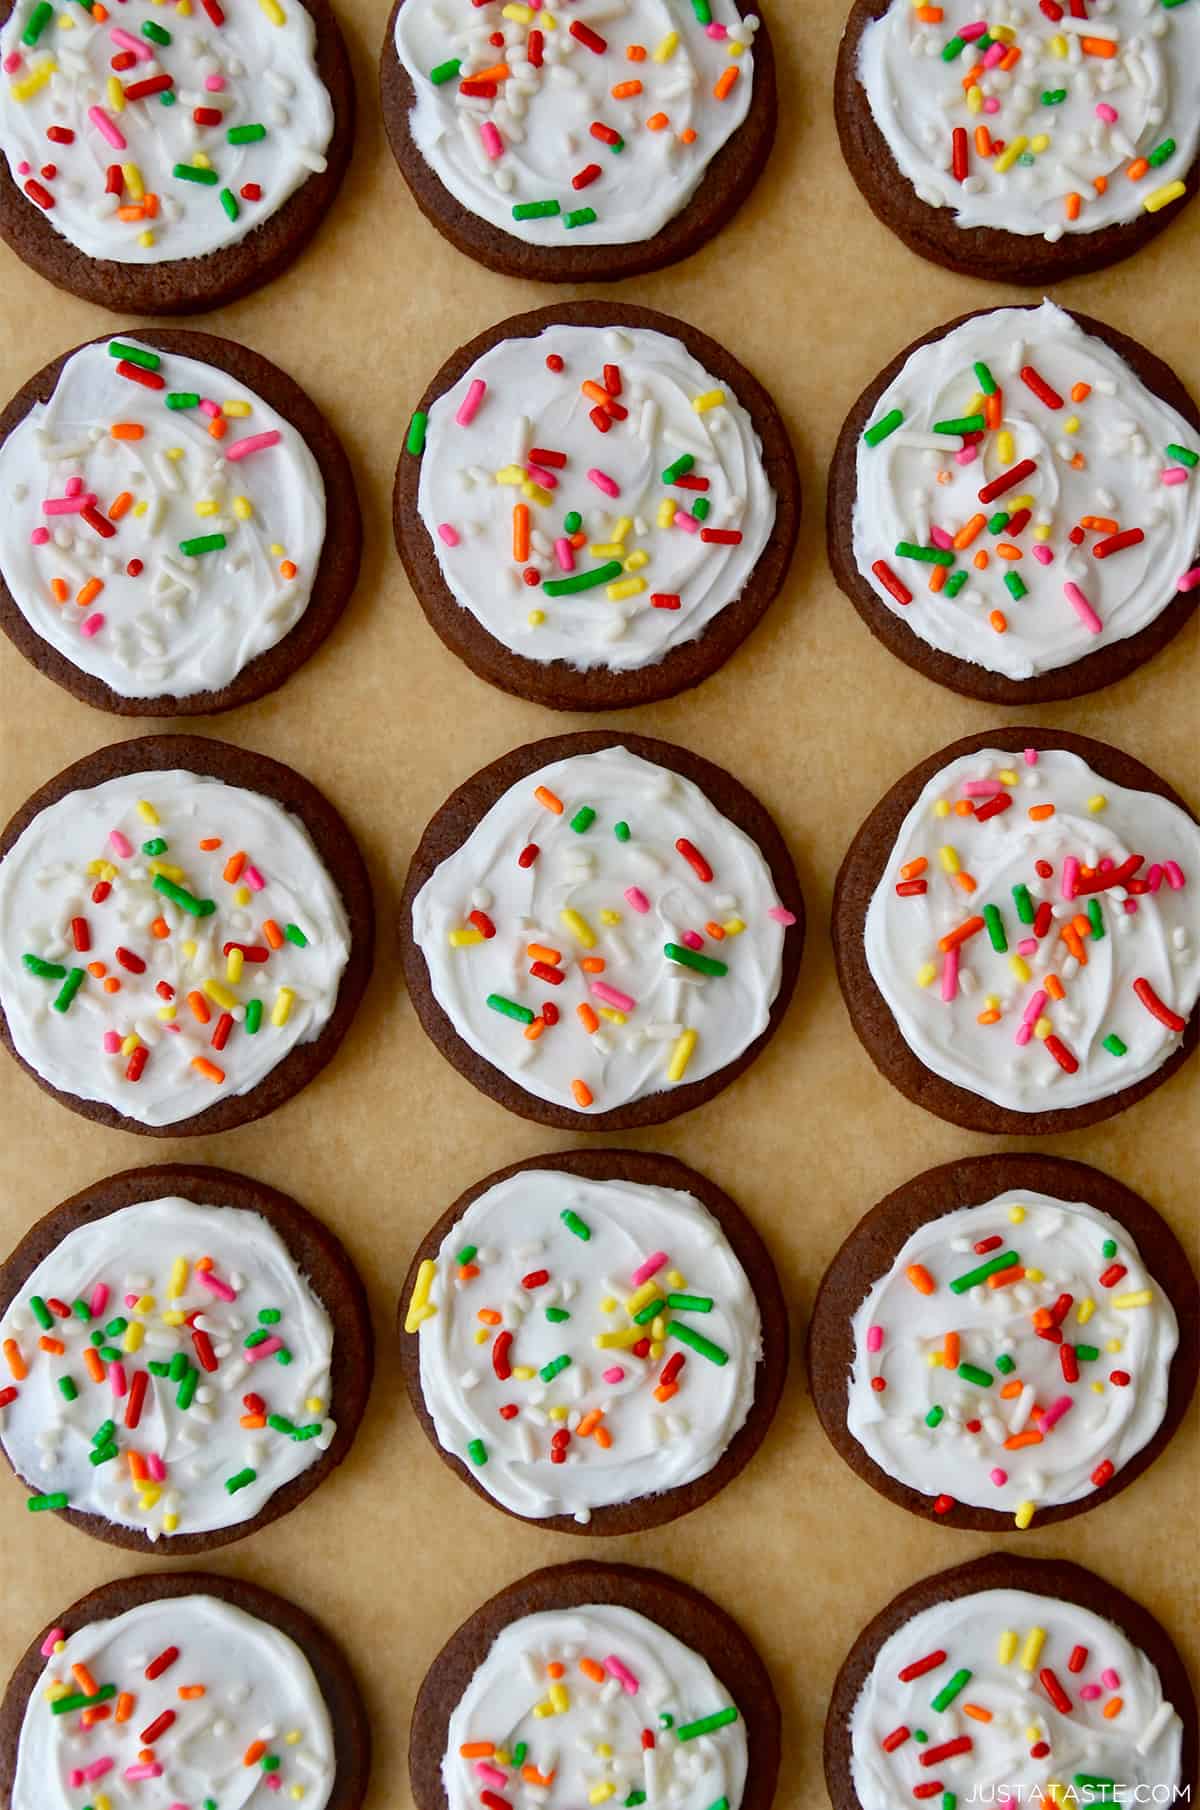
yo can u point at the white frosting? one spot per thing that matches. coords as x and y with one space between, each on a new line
590 1734
177 623
1027 1745
1116 109
256 1686
1122 1356
543 115
559 1294
587 877
473 476
1150 933
1119 431
256 68
191 1426
48 878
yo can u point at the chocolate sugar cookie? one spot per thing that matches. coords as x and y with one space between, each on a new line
190 930
1014 507
1025 151
595 505
1033 1671
199 1679
1016 932
1005 1340
158 169
631 1292
182 529
601 930
687 1705
189 1355
570 152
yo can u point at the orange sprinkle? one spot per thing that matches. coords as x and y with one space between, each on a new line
100 14
532 1776
160 928
968 532
93 1363
146 1753
1095 47
542 952
968 928
477 1750
54 1346
625 91
656 122
233 867
287 569
993 409
1042 1317
1070 937
595 392
1040 812
208 843
716 931
1080 392
218 427
920 1278
1078 462
149 199
534 1030
687 136
100 1713
592 964
635 53
1098 524
913 869
983 141
1073 204
1016 1441
980 561
199 1006
131 211
578 539
989 1017
999 621
127 430
582 1092
963 807
188 1692
251 1421
17 1367
603 1438
589 1423
938 577
1006 550
548 801
972 76
587 1017
725 82
137 1467
125 1703
665 1391
112 984
273 933
1100 184
977 1712
468 1271
1003 1278
930 15
1082 925
555 1669
498 72
97 970
208 1069
88 591
1011 58
1054 986
591 1670
965 882
1011 1389
489 1316
254 1753
1112 1708
950 1349
84 1680
59 591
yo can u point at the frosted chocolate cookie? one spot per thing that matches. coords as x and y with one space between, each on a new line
188 930
1035 143
601 930
1016 932
188 1355
153 1686
1005 1340
159 168
1014 505
181 528
636 1340
596 1683
595 505
551 147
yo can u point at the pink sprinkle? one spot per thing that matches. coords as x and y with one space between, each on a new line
1110 1680
1033 1009
1043 554
12 62
611 996
603 482
637 898
39 537
1130 907
969 33
144 1771
74 486
98 1768
112 1044
156 1467
267 1349
982 788
91 625
648 1267
686 521
273 1782
116 1379
714 30
614 1375
991 104
564 553
1175 474
1189 581
75 1777
1154 877
1175 876
448 534
99 1299
241 449
1069 876
493 145
940 538
253 879
875 1338
491 1775
1108 114
1083 608
1027 946
622 1674
51 1641
215 1285
966 455
469 407
993 54
209 407
950 975
105 127
998 1477
781 915
1054 1413
1031 757
546 479
692 938
120 843
214 83
130 1300
141 51
66 505
23 168
1090 1692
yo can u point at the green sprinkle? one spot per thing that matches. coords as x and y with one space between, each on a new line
156 1368
309 1432
960 1284
995 929
556 1315
510 1008
1087 1354
932 556
722 1803
187 1388
647 1313
1161 152
920 1734
269 1316
700 508
445 72
999 522
1052 97
1015 585
186 901
695 1304
246 135
1027 158
536 210
68 990
984 379
519 1752
36 1505
41 1312
935 1416
281 1423
270 1762
202 543
687 1335
1109 1247
67 1389
682 465
702 11
182 399
66 1706
583 819
953 48
235 1483
477 1452
688 958
666 1720
283 1356
1115 1045
467 1255
583 581
960 424
580 216
259 1336
949 1801
116 1327
177 1368
39 18
81 1310
621 831
254 1012
1024 904
1183 455
634 1798
193 172
572 522
229 202
155 33
102 1454
294 934
43 970
887 424
97 1338
133 355
415 442
707 1725
110 1354
167 98
1005 1365
954 583
554 1368
155 846
574 1224
1095 919
950 1690
971 1373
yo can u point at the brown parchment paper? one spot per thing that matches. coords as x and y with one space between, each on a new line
815 296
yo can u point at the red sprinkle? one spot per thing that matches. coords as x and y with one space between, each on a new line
36 192
158 1666
137 1062
1040 388
140 91
129 960
933 1756
664 600
1102 1473
204 1349
100 891
534 45
612 379
1119 1378
135 1398
60 135
993 807
553 362
150 380
694 859
134 568
600 418
590 38
250 191
550 1013
554 977
722 537
482 923
546 455
528 855
214 11
919 1667
1156 1008
604 133
207 116
1078 1659
1112 1275
100 523
159 1726
896 1739
1068 1363
988 1244
1115 542
960 158
79 932
1008 480
894 586
1068 1063
114 180
943 1505
535 1279
587 175
6 1396
221 1030
500 1350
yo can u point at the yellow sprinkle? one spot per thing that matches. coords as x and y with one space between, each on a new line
228 1000
1058 46
1004 447
1006 1647
611 1013
129 1044
579 927
535 493
200 161
606 549
293 1736
1056 1790
145 1304
1141 1297
656 1348
1113 1344
167 1014
1033 1732
274 11
146 811
426 1271
1042 1028
37 78
207 507
559 1697
636 1301
172 1316
665 49
242 896
621 527
1085 1310
608 916
189 948
1005 33
608 1305
1019 966
235 961
135 1332
463 939
711 399
625 587
133 181
237 411
681 1055
276 550
1097 802
676 1279
1004 162
114 94
603 1749
1039 144
942 808
102 870
1163 197
283 1006
1024 1514
733 926
1097 1388
1071 426
934 1359
1007 776
926 973
1043 531
975 98
178 1279
521 14
1034 1275
1035 1640
168 871
558 1412
510 474
614 1341
524 1373
992 1002
298 1792
148 1498
174 452
949 859
1016 1215
315 1404
536 618
637 559
666 512
600 1794
542 1710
